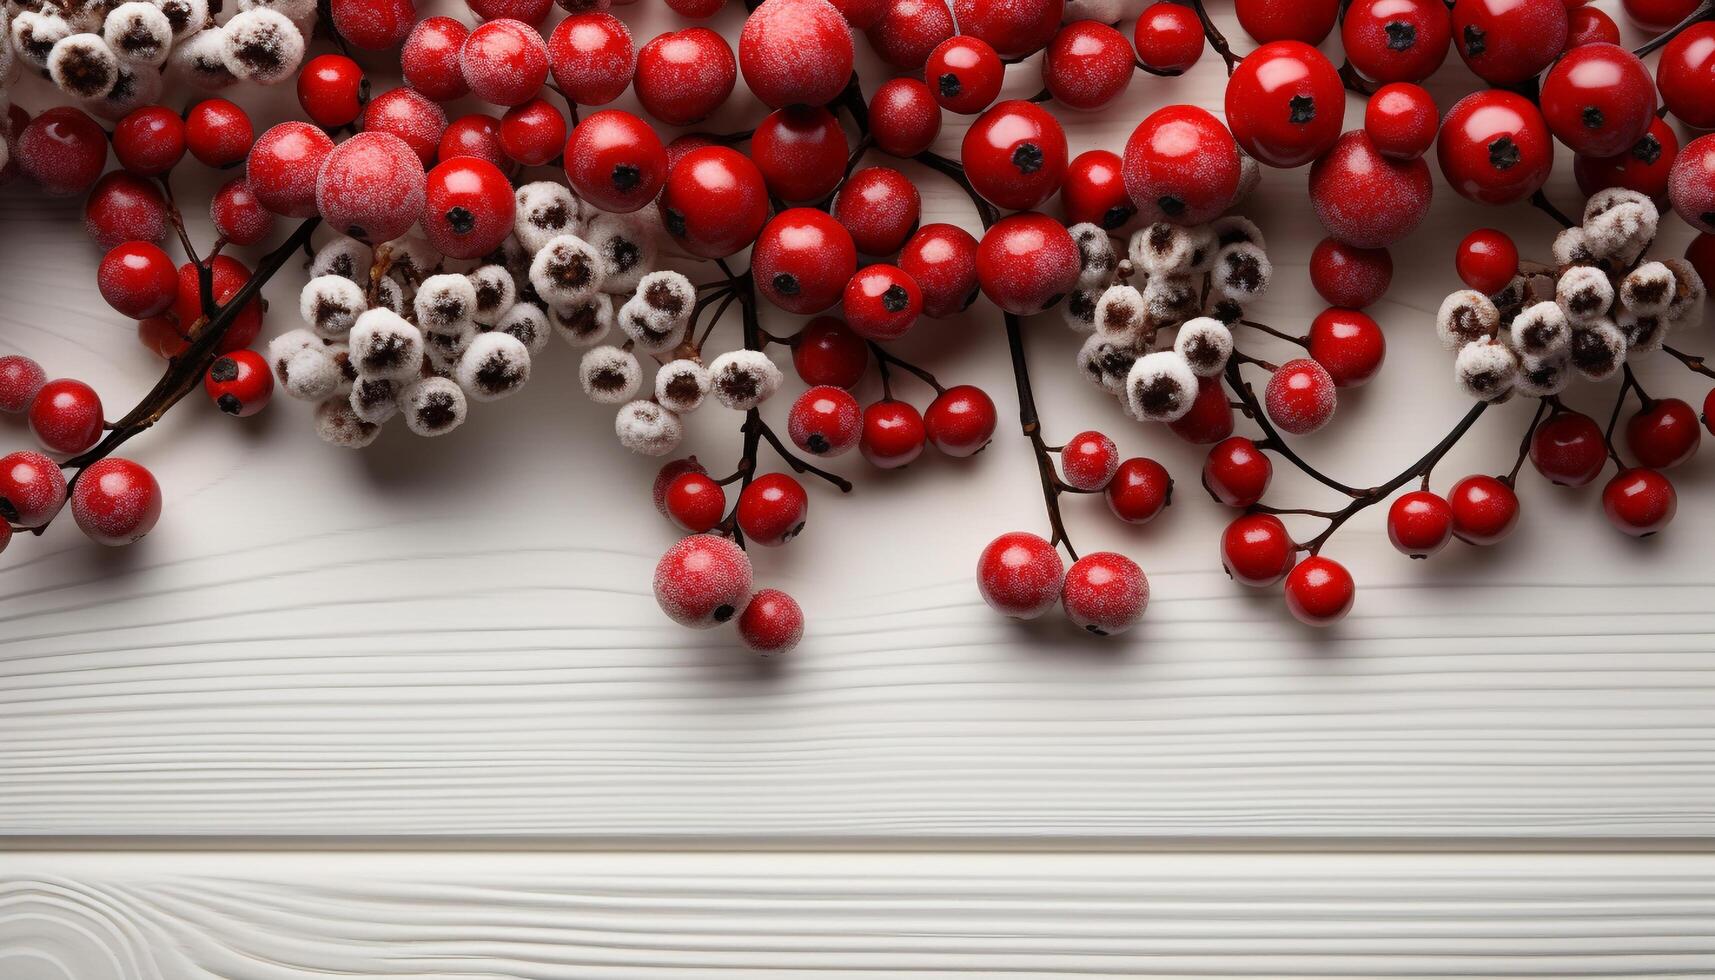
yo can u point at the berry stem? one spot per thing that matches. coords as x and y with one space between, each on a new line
1702 12
1694 362
1511 478
1032 426
1283 335
1355 82
1540 201
986 212
883 359
1271 438
1217 40
754 427
1627 385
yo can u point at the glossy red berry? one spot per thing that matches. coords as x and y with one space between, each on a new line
964 75
373 25
795 52
1087 66
1014 28
20 379
1655 16
1256 550
1020 575
1309 21
893 434
1701 254
32 489
123 207
238 216
1169 37
1401 120
696 9
695 502
1026 263
1686 75
1508 41
715 202
532 134
1105 593
239 383
468 208
1093 191
62 150
801 151
1639 501
1181 165
881 302
1588 25
1211 416
772 510
827 352
1139 490
150 140
138 279
229 275
592 57
1236 472
702 581
1494 147
1664 434
1348 276
1598 99
684 76
478 135
1015 155
1319 591
904 117
116 501
1396 40
283 165
909 30
802 261
218 133
861 14
880 207
430 58
1346 183
1568 449
1088 461
825 421
1487 260
331 88
531 12
616 162
664 477
1485 510
371 187
504 62
1300 397
942 259
1348 344
960 421
1644 168
771 623
65 416
1419 523
1286 104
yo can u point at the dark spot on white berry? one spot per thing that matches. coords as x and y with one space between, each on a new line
1647 150
1475 41
1159 395
1027 157
682 388
739 386
1117 215
817 443
1503 153
437 412
664 298
786 284
607 379
1227 311
1117 316
1244 272
1401 35
627 176
949 83
87 74
1303 109
674 220
1170 205
229 404
461 221
572 271
623 253
724 613
223 369
261 54
895 298
178 15
553 216
498 373
1082 306
1160 238
1592 117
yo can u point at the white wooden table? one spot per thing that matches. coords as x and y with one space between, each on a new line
412 712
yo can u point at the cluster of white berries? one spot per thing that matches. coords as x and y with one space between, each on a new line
1159 316
1602 304
111 55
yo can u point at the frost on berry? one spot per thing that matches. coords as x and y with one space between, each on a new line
1688 290
1585 293
1540 377
1168 249
1512 297
1096 258
1624 230
566 271
648 429
1121 314
1598 350
186 16
682 385
1169 299
384 345
345 257
390 296
82 65
1205 344
411 259
528 323
1485 369
744 379
610 375
626 248
138 86
1161 387
262 45
494 365
545 211
446 344
330 305
444 300
651 330
1242 272
297 11
1079 310
584 323
433 406
1571 248
139 32
1643 332
1235 228
1465 316
34 34
338 424
1649 288
1610 198
375 400
1106 364
494 293
703 581
670 292
1540 330
309 374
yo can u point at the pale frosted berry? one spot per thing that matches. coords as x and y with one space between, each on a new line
262 45
1161 387
83 66
1585 293
200 59
32 488
1465 316
443 300
648 429
1242 272
446 344
626 248
1300 397
1105 593
308 373
566 271
336 423
139 32
384 345
744 379
1485 369
331 305
529 324
1121 314
1106 364
1235 228
771 623
375 400
390 296
610 375
1688 290
1540 377
495 294
585 323
1571 248
544 211
1096 257
1541 329
1206 344
493 366
1648 289
669 292
1623 231
345 257
1020 575
702 581
433 406
20 379
1169 299
411 259
34 34
1643 333
1079 310
682 385
1169 249
1598 350
650 330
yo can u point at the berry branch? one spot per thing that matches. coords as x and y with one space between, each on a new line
1701 12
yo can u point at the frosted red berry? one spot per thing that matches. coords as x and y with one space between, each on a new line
138 279
825 421
1349 276
283 165
239 383
1663 434
1588 25
772 510
1655 16
532 134
1270 20
1211 416
123 207
702 581
1026 263
150 140
1691 184
430 58
218 133
1236 472
1012 27
802 261
504 62
32 488
20 379
795 52
1485 510
410 116
116 501
1139 490
893 434
881 302
904 117
615 161
1401 120
468 208
1105 593
1286 104
592 57
1598 99
1256 550
1494 147
909 30
529 11
1568 449
1182 166
237 215
1396 40
942 259
1087 66
371 187
1346 183
1319 591
696 9
964 74
1093 191
1508 41
1419 523
1020 575
695 502
65 416
1639 502
1169 37
801 151
331 88
62 150
960 421
373 25
1644 168
1487 260
1686 75
715 202
827 352
1088 461
880 207
477 135
1300 397
1347 343
684 76
771 623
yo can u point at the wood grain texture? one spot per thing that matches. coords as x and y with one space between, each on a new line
594 917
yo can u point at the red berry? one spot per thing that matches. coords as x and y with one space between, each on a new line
1105 593
702 581
683 76
1181 165
909 30
283 165
592 58
1348 344
965 75
123 207
695 502
504 62
218 133
373 25
881 302
533 133
771 623
1686 75
1701 254
771 511
477 135
1087 65
1169 37
1568 449
1587 25
801 152
696 9
1300 396
825 421
32 488
149 141
1655 16
1419 523
1485 510
239 383
1644 168
20 379
1020 575
1014 28
615 161
828 353
943 260
1347 183
1286 104
1139 490
1026 263
1598 99
893 434
1348 276
1256 550
665 476
1210 418
715 202
531 12
1396 40
1088 461
1015 155
62 150
1093 191
238 215
1691 184
795 52
229 276
1401 119
1664 434
880 207
66 416
331 88
1487 260
861 14
904 117
1494 147
409 116
1508 41
803 260
1237 473
468 208
1319 591
371 187
1270 20
1639 501
138 280
960 421
430 58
